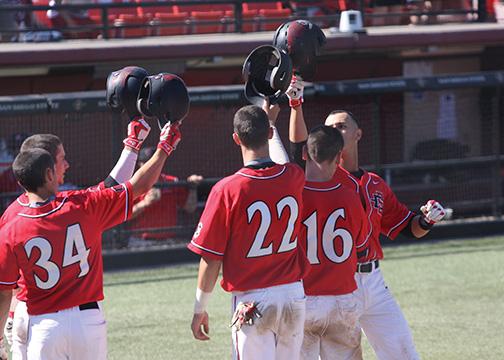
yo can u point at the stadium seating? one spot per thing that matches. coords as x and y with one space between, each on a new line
139 26
177 20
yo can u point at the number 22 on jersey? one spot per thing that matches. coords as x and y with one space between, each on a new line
75 252
261 208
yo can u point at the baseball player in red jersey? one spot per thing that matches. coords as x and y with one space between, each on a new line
138 130
381 319
331 233
55 242
250 225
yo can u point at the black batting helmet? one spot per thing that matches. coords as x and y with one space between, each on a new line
122 89
165 97
302 40
267 72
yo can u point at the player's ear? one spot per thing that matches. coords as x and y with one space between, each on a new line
359 134
236 139
305 153
270 133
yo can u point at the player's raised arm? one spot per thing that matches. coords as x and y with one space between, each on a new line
147 175
276 149
298 133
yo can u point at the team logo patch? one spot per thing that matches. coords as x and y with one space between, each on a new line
118 188
377 201
198 230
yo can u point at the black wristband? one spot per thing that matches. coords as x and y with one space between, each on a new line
424 224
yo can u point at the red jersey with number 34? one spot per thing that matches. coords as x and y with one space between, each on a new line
251 223
57 247
11 212
332 231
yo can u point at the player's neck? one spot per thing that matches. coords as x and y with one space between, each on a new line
350 161
251 155
318 173
40 196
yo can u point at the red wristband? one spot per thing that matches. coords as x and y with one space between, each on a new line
294 103
11 314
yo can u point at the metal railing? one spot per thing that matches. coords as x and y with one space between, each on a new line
235 23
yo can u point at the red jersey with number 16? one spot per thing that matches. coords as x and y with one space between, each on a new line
332 231
57 247
251 223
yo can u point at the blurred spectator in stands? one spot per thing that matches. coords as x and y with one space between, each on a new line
64 20
439 6
12 20
384 7
156 211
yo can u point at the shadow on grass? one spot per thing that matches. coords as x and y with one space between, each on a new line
152 280
446 251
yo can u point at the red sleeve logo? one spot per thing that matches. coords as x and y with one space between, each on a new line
377 201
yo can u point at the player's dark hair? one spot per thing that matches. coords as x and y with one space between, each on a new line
324 143
30 168
47 142
349 114
252 125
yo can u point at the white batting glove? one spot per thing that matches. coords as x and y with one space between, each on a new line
433 212
8 330
295 92
169 138
3 351
138 130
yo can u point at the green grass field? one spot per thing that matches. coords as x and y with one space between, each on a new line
451 293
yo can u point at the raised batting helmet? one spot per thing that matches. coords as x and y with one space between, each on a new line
122 89
165 97
302 40
267 72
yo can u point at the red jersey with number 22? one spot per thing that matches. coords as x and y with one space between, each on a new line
251 223
332 230
57 247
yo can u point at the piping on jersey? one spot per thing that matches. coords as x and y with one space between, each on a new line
327 189
22 203
262 177
399 224
47 213
205 249
369 217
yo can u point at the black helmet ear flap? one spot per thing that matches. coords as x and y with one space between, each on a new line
165 97
266 74
143 98
122 89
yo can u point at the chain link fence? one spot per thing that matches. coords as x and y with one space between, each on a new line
436 137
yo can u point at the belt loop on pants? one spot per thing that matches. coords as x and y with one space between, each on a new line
368 267
89 306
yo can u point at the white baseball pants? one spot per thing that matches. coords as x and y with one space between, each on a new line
20 332
70 334
382 319
278 334
331 328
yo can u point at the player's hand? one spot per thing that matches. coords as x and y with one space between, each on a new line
8 330
199 326
433 212
3 351
271 110
169 138
295 92
138 130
